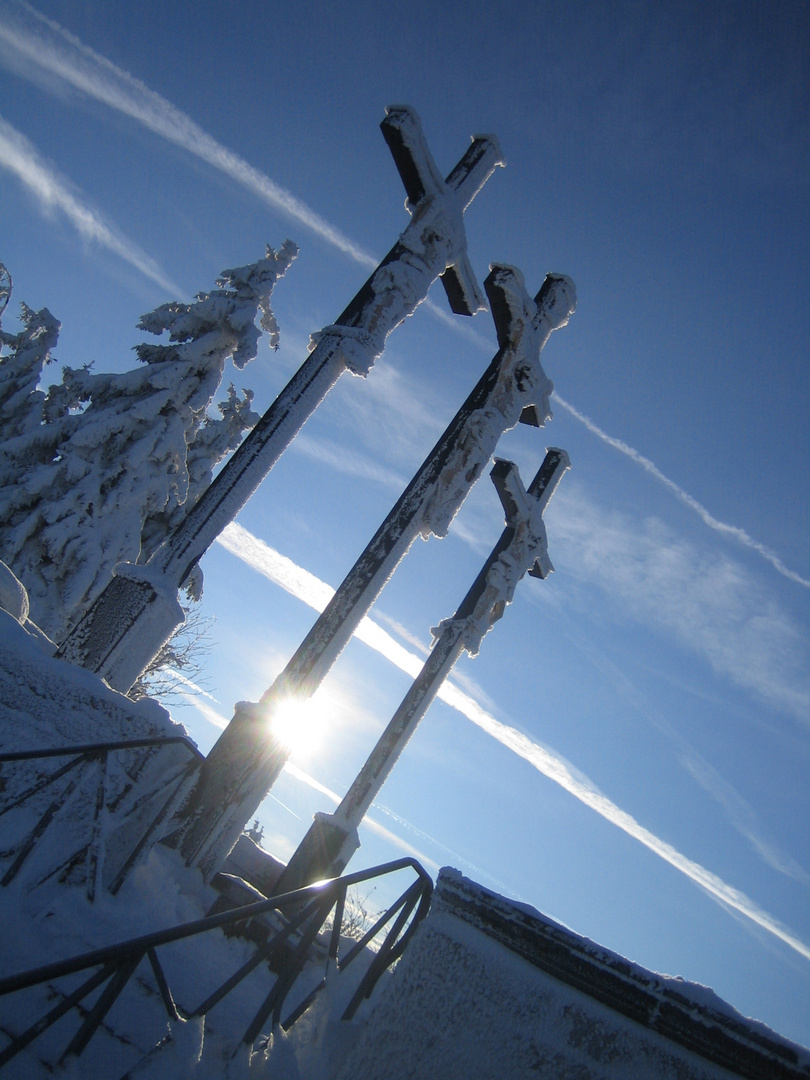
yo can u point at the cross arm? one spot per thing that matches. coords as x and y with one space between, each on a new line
527 505
522 547
402 131
515 313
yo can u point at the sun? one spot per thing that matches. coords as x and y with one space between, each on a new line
300 724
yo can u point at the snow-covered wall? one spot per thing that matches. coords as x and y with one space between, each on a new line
494 990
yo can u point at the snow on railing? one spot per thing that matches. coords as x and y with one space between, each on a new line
82 759
288 951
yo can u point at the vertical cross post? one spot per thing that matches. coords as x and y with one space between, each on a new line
246 760
138 611
332 839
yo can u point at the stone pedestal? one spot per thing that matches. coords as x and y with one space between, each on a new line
323 853
138 606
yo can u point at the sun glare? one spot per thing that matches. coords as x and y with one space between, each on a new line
299 724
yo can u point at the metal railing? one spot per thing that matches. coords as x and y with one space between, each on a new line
287 950
81 757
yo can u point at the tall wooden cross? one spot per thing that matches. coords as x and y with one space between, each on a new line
139 610
246 760
332 839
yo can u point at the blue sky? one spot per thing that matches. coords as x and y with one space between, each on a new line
632 752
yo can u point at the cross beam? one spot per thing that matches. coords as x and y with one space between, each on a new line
332 839
138 611
245 762
424 184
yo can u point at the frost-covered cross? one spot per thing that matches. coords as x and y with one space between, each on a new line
139 610
332 839
245 762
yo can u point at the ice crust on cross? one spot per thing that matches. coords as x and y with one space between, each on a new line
434 241
524 326
527 551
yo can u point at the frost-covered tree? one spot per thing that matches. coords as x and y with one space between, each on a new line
212 440
135 450
27 445
25 354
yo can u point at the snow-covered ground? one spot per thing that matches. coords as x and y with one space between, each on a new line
59 922
46 702
477 994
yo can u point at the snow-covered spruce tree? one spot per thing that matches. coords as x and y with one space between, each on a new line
27 444
24 442
182 655
120 474
212 440
25 355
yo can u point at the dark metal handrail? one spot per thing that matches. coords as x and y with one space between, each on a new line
310 908
80 755
100 747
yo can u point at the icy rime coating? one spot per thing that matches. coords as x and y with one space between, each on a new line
110 480
522 549
428 197
520 389
513 380
433 244
243 764
332 839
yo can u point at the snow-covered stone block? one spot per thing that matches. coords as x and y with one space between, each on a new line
494 990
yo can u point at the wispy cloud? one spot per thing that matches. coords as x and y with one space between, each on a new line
35 43
316 594
54 193
39 49
347 462
732 532
192 687
742 817
458 860
389 411
575 783
404 633
712 604
737 811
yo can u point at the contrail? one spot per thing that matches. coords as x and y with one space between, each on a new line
20 158
316 593
733 531
553 767
58 52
